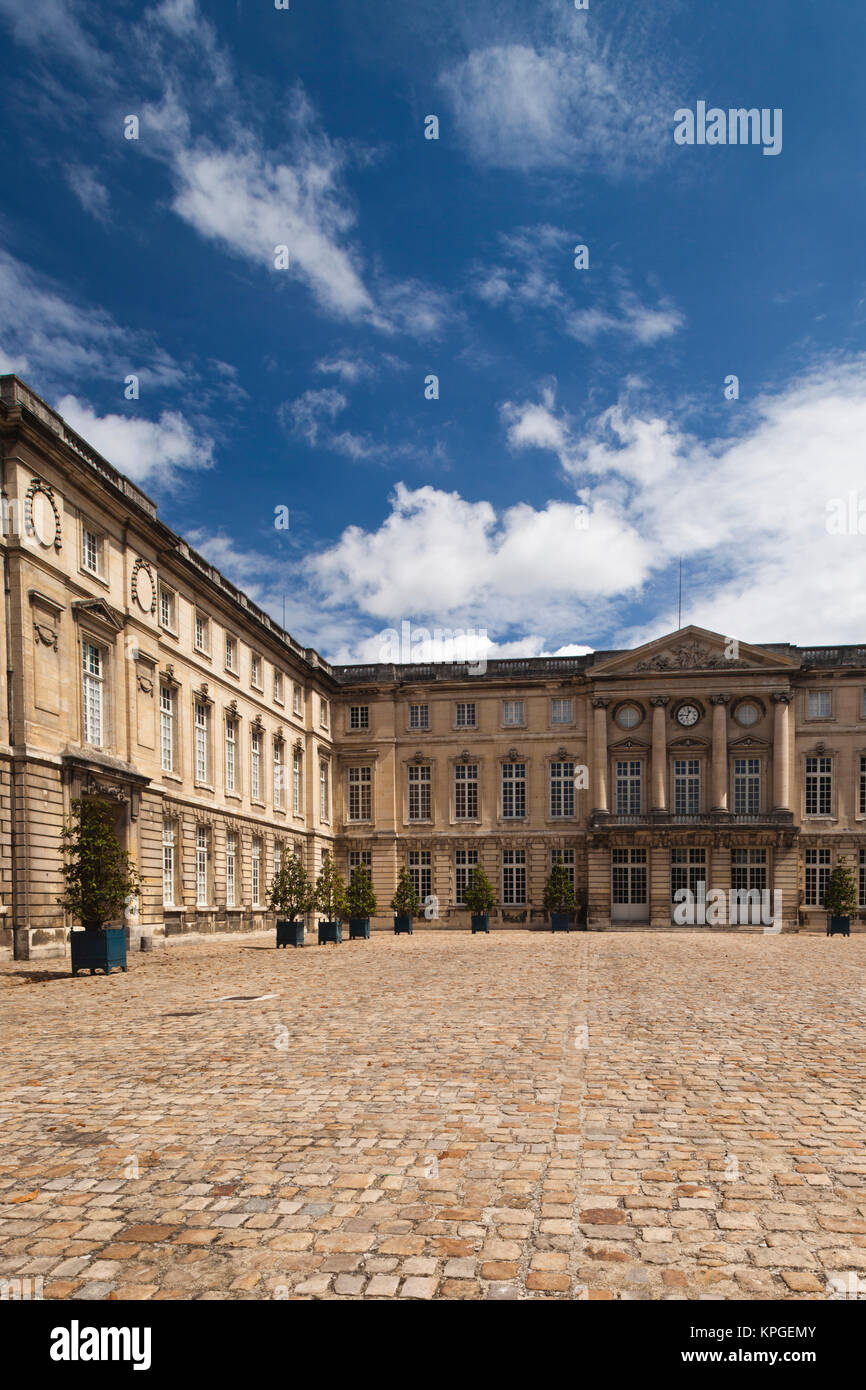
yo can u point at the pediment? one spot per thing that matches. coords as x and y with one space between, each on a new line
749 743
629 745
692 649
99 611
690 744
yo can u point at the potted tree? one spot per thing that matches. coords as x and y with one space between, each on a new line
559 898
840 899
361 902
405 903
100 877
330 899
480 899
291 895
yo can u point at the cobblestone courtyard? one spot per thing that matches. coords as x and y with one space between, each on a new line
623 1115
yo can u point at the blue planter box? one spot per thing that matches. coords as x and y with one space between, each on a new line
559 921
98 950
839 926
359 927
290 933
403 923
480 922
330 931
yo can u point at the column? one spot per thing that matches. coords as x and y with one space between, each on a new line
599 752
781 752
720 751
658 798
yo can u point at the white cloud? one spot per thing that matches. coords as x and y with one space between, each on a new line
349 369
147 451
54 26
310 410
89 190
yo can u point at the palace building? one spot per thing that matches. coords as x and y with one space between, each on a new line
137 673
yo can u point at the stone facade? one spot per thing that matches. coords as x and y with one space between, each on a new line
136 672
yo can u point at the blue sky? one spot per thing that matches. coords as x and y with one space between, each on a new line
581 440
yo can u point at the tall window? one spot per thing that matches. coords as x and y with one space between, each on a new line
419 716
360 793
231 869
201 742
819 786
169 870
419 793
278 687
817 876
297 698
513 876
565 857
749 869
278 774
93 675
324 714
357 857
513 790
296 781
421 872
863 786
465 860
465 716
231 653
202 633
166 608
628 787
231 753
819 705
324 792
166 727
861 896
561 711
466 791
201 865
561 789
91 551
747 786
687 786
512 712
257 872
359 716
688 869
256 670
256 765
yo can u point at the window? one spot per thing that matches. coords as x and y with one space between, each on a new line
419 793
861 896
688 869
465 860
296 781
862 798
91 551
257 872
231 753
749 870
166 727
420 872
419 716
323 713
512 712
324 791
169 868
687 786
231 869
819 704
561 711
863 706
297 699
278 687
202 633
561 790
359 717
278 773
202 836
819 786
357 857
202 731
817 876
256 765
513 790
747 786
628 717
513 877
628 787
466 791
256 671
166 608
360 793
565 857
278 857
93 676
465 716
231 653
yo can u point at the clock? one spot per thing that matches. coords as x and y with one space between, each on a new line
688 714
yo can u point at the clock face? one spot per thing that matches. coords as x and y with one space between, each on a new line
687 714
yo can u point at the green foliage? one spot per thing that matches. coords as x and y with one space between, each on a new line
480 894
291 892
360 897
330 896
840 899
405 901
99 873
559 892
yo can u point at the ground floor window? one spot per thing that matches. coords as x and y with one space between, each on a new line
513 877
169 853
421 872
861 895
749 869
565 857
817 876
629 876
357 857
202 846
257 872
231 868
465 860
688 869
